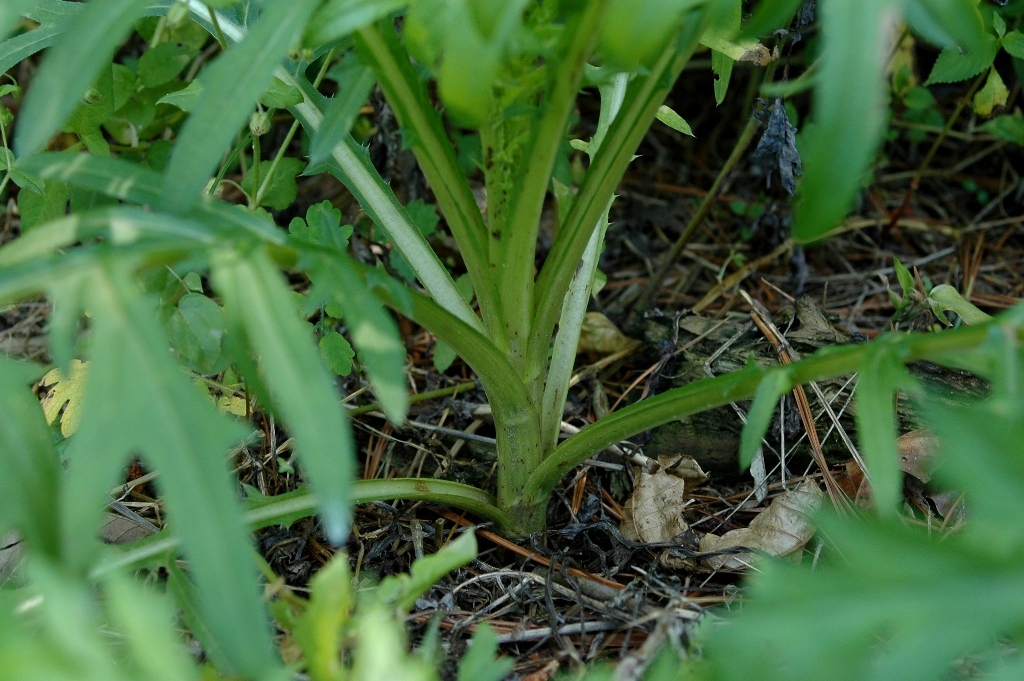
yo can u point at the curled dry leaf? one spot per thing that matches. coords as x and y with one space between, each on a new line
654 514
918 450
781 530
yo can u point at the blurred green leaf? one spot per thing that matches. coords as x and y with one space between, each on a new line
281 191
881 373
354 85
336 19
373 332
196 328
402 591
37 208
139 401
184 99
337 353
760 414
849 113
262 318
10 12
946 23
953 65
481 663
71 66
31 471
280 96
770 16
1009 127
1013 43
725 21
162 62
231 86
319 631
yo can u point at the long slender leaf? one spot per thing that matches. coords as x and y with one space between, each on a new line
260 310
373 332
69 69
129 181
139 400
759 417
849 112
29 460
231 86
10 12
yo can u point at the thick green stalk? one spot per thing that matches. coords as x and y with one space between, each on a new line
617 149
519 234
405 92
715 392
574 308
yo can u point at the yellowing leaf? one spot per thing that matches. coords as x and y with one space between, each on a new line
600 336
993 94
232 404
63 391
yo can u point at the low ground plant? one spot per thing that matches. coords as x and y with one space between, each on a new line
127 233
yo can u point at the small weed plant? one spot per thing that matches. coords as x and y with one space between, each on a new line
127 232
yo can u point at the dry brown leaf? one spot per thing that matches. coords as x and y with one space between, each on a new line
780 530
117 529
685 467
655 511
918 450
601 337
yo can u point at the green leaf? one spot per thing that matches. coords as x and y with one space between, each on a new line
37 208
282 190
354 85
759 417
337 353
32 473
186 99
196 329
770 16
10 12
231 86
849 113
904 276
444 356
880 374
96 107
69 68
163 62
673 120
139 401
319 632
1009 127
337 19
401 591
480 663
991 95
947 23
1013 43
322 226
372 330
280 96
725 21
953 66
262 318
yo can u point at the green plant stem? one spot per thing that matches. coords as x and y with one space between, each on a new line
303 502
654 283
519 235
714 392
570 324
623 138
418 397
381 49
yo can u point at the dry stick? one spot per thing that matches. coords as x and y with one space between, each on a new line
787 355
677 248
916 180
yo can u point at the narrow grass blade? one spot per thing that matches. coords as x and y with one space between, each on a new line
773 387
302 390
231 86
341 112
69 69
